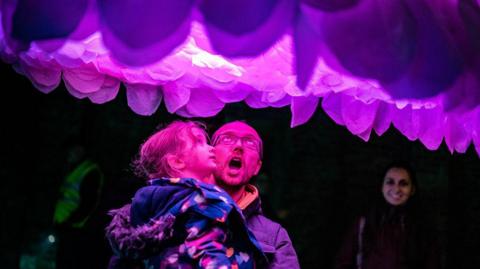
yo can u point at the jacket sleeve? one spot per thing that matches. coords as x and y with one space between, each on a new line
284 256
346 257
133 243
205 242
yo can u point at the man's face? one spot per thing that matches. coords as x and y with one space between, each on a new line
237 150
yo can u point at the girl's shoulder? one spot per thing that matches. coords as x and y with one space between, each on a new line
205 199
206 190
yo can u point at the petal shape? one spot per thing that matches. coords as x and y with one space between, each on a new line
456 137
374 39
246 27
45 75
302 109
175 97
432 123
236 94
107 92
358 116
407 122
46 19
85 79
202 103
143 99
332 105
144 31
383 118
255 100
437 62
45 80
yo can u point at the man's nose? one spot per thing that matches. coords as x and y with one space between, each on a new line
238 146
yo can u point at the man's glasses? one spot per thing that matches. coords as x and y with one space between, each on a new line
229 139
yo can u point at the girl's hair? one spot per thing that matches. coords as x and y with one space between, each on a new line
151 161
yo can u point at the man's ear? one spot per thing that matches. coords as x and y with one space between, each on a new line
257 168
175 162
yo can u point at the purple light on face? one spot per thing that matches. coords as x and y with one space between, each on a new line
369 64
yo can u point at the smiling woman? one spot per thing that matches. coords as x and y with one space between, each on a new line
393 233
398 186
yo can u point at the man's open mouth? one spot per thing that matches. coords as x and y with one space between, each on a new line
235 163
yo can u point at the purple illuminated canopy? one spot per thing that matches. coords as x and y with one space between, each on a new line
367 63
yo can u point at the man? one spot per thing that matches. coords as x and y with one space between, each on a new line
238 150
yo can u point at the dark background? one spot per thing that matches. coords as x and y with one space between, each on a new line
315 178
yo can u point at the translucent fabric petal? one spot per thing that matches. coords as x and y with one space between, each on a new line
202 102
456 137
246 27
437 61
85 79
358 116
383 118
381 37
332 106
302 109
46 19
143 31
410 64
107 92
431 127
143 99
42 70
175 97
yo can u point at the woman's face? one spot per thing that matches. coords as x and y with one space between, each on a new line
397 186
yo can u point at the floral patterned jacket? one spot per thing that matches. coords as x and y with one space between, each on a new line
181 223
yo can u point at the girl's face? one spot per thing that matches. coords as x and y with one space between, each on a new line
397 186
199 156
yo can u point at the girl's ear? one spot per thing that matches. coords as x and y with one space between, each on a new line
175 162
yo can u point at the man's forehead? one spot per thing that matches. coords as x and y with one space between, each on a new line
237 128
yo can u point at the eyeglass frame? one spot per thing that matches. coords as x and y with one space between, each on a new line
216 139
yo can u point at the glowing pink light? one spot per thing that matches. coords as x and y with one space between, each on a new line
368 64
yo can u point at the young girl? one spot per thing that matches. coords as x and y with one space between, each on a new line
180 220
